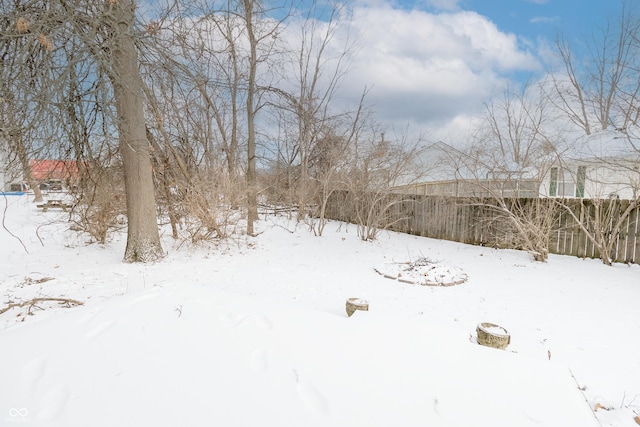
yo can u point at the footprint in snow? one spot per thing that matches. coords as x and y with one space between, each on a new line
33 372
235 321
312 399
53 403
142 298
258 360
99 329
89 315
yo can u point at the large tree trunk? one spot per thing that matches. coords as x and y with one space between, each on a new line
143 240
252 194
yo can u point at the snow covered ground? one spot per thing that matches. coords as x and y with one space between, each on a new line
253 331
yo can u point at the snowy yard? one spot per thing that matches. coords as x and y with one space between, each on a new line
253 331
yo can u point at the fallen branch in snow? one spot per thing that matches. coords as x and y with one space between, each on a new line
34 301
600 406
30 281
624 397
593 410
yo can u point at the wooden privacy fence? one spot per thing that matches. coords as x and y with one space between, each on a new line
478 222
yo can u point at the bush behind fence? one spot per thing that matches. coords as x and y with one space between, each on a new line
478 222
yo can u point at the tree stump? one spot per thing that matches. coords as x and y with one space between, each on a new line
492 335
355 304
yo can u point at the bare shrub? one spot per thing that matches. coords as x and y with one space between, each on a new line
378 167
201 220
523 223
205 209
100 205
601 220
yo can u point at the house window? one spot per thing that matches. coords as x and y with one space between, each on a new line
581 177
553 183
562 183
566 188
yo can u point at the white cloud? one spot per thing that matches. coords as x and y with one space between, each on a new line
448 5
544 19
431 69
548 53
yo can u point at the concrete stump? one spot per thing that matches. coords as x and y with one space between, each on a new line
355 304
492 335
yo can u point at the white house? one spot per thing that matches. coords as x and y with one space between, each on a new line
10 176
3 171
605 164
455 173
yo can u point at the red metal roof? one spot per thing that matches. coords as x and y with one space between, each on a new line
42 170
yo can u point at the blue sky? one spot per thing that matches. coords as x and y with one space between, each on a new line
532 19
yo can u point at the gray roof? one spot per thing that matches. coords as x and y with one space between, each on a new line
605 145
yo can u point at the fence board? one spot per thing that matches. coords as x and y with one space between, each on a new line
474 221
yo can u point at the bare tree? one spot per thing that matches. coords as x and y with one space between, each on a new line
601 90
261 35
107 32
210 60
609 183
318 74
17 137
510 154
143 240
253 38
24 89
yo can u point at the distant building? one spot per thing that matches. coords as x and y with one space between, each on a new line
455 173
496 187
605 164
3 170
45 171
